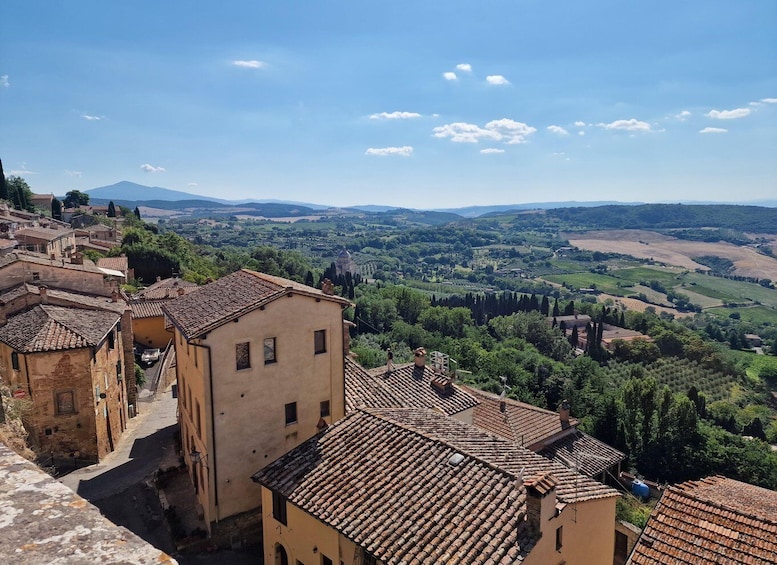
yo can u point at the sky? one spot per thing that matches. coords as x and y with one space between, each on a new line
420 104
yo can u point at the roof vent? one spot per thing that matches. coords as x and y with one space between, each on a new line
455 459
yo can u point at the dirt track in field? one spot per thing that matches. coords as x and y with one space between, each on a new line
638 306
672 251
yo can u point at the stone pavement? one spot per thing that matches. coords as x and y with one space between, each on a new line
145 446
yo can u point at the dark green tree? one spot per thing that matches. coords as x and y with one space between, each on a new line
111 209
75 198
56 209
19 193
3 184
136 211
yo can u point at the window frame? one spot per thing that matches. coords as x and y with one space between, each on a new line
325 409
242 358
288 415
279 512
319 342
15 361
269 360
60 401
559 538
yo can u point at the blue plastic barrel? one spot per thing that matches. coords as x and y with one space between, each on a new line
638 488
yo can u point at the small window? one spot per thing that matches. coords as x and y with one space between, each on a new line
325 560
66 402
291 413
559 537
369 559
320 341
324 408
279 507
111 340
269 350
197 416
15 360
35 276
118 370
243 356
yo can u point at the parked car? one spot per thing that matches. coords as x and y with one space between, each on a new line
150 356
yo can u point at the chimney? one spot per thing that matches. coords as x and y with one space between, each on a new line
44 294
420 357
327 287
563 413
114 296
540 502
181 291
158 278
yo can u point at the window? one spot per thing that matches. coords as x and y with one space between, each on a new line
369 559
319 337
279 507
35 276
15 360
291 413
118 371
111 340
269 350
559 537
243 356
325 560
66 402
197 416
324 408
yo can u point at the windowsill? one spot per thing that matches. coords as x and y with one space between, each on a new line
242 368
320 352
270 362
294 423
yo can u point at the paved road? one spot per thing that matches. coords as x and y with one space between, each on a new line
143 446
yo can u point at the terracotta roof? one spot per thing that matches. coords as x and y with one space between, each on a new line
53 328
522 423
41 259
714 520
58 297
584 453
147 308
406 387
395 492
41 233
172 282
165 292
500 452
115 263
230 297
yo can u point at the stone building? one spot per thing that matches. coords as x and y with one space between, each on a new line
260 370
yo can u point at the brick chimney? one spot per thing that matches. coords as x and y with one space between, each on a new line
540 502
181 291
114 296
327 287
44 294
419 357
563 413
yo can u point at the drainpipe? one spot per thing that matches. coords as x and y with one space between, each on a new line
212 429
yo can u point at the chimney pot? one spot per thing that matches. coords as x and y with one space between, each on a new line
420 357
44 297
563 413
327 287
114 296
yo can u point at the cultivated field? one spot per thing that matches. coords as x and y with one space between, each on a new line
672 251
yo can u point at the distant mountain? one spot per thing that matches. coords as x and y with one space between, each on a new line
477 211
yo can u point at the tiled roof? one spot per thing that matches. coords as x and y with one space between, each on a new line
41 233
53 328
172 282
583 452
522 423
146 308
165 292
406 387
395 492
115 263
58 297
714 520
500 452
40 259
232 296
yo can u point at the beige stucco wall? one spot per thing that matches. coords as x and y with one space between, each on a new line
249 404
96 424
151 332
588 535
54 275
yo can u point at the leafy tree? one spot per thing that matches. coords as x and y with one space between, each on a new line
75 199
19 193
56 209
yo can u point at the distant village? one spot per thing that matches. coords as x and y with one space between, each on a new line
289 446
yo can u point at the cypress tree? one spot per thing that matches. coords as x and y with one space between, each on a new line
556 311
3 184
111 209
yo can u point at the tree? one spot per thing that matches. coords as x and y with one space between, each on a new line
56 209
136 211
19 193
3 184
111 209
75 199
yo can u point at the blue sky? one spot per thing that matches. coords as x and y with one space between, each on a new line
419 104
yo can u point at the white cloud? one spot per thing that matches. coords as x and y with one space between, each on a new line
449 75
497 80
395 116
728 114
4 81
579 124
581 132
404 151
506 130
91 118
558 129
192 184
492 150
73 173
152 169
713 130
252 64
764 100
626 125
465 67
682 116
